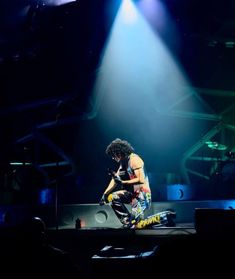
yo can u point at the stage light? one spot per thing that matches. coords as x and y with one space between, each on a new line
46 196
5 217
55 2
179 192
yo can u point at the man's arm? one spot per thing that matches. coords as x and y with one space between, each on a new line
108 190
137 165
138 179
110 187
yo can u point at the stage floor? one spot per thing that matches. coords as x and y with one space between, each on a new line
124 253
179 228
144 252
94 238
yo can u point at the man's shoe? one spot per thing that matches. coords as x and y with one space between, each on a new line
127 223
171 215
128 226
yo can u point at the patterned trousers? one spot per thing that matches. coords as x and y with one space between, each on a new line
139 201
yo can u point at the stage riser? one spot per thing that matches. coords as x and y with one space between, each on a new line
96 216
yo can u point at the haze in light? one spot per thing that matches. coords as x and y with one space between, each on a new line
55 2
138 83
136 66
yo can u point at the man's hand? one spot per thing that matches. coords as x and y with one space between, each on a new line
103 200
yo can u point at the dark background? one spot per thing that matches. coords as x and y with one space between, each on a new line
49 56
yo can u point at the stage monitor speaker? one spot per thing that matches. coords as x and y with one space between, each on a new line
87 216
215 221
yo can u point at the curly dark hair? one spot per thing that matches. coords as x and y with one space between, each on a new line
119 147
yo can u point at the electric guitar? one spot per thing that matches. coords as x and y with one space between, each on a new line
117 179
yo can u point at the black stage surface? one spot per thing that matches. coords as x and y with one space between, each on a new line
184 250
170 251
188 249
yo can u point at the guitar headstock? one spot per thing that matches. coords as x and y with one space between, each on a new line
111 172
